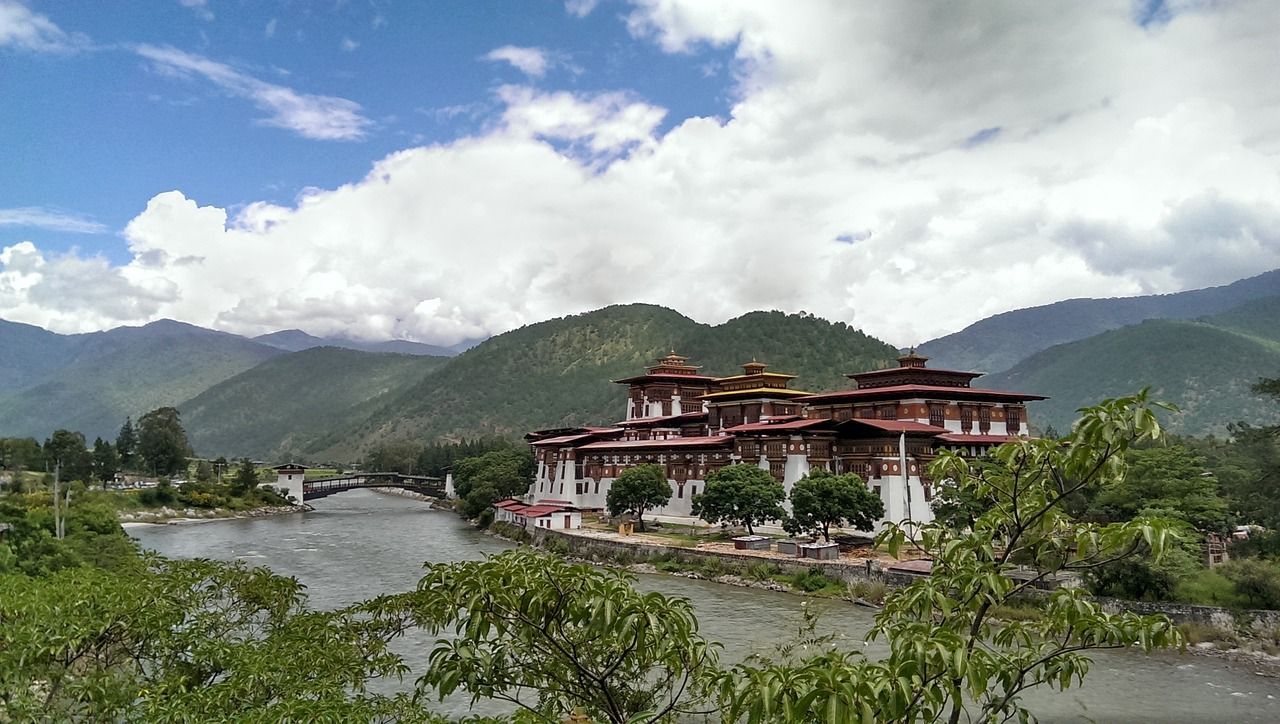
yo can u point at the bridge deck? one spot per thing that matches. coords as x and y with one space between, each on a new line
322 487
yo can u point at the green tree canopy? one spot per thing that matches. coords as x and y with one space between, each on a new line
552 637
497 474
106 463
741 494
162 442
822 499
189 641
637 489
68 449
127 443
246 476
1173 480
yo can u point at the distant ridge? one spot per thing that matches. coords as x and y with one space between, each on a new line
1204 366
90 382
296 340
998 343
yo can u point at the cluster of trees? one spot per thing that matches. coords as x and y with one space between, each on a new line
745 495
180 641
412 458
156 445
480 481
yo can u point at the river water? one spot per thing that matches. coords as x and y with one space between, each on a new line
361 544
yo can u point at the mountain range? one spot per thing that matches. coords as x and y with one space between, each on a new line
290 394
999 342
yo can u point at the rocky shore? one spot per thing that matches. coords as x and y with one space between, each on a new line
194 515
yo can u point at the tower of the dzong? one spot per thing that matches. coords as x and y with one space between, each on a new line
670 387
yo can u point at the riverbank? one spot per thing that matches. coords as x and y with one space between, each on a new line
1245 638
167 515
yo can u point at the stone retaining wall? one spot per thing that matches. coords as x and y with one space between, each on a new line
587 547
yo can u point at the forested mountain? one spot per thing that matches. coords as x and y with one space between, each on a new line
91 382
30 354
1204 366
296 340
999 342
558 372
274 408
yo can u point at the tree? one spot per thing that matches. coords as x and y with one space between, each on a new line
1258 581
67 449
948 660
1172 480
553 637
204 472
637 489
190 641
162 442
106 463
127 443
740 494
822 499
246 477
481 480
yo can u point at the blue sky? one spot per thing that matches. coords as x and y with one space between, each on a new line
95 133
442 171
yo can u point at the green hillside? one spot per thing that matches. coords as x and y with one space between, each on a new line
1203 368
269 410
107 376
999 342
558 372
29 355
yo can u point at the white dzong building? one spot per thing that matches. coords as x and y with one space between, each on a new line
886 429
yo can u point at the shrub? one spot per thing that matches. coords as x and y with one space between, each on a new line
1196 633
1256 581
485 519
669 566
813 581
1210 588
559 546
762 572
866 589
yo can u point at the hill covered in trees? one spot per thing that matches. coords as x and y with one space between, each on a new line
271 409
558 372
1206 367
999 342
91 382
296 340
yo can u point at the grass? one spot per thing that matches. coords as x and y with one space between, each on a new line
867 590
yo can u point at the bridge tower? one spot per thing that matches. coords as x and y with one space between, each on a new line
289 477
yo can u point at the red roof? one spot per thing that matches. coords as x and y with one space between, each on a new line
666 377
906 391
679 419
570 439
770 425
897 425
669 442
962 438
537 511
921 370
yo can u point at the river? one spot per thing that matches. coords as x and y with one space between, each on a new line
360 544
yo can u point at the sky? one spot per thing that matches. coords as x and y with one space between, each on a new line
447 171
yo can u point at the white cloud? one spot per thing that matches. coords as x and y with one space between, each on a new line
348 45
269 31
533 62
51 219
199 7
580 8
904 167
26 30
312 116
